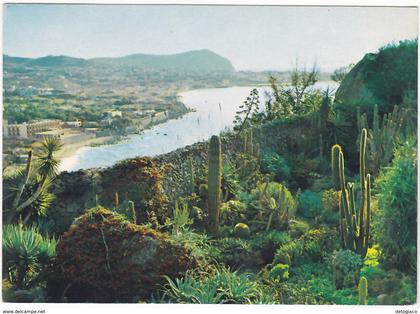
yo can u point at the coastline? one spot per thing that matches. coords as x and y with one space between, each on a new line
69 150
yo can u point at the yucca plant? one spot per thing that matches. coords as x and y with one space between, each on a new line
44 167
25 253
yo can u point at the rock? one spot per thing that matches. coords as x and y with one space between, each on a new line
104 258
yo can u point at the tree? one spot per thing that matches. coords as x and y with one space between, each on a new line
295 98
46 169
340 73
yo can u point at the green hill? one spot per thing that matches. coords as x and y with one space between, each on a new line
48 61
198 60
190 61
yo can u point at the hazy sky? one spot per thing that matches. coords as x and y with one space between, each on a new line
252 37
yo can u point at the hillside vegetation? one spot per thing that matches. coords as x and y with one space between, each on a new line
305 201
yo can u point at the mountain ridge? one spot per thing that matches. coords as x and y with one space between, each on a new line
193 60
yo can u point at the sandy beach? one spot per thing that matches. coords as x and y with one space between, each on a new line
69 150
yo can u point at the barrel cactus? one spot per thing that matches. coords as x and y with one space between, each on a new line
242 230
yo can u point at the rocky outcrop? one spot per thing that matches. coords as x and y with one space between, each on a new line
104 258
386 78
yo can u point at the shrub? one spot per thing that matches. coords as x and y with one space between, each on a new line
274 203
395 224
309 204
310 247
330 200
232 212
26 253
297 227
280 272
271 162
236 252
346 266
242 230
103 257
268 242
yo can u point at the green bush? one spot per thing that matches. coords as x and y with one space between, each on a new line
312 246
297 227
330 200
235 252
268 242
26 253
345 266
232 212
395 224
274 203
271 162
309 204
280 272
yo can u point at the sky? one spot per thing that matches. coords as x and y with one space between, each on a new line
252 37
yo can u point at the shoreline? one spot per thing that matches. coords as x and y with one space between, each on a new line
69 150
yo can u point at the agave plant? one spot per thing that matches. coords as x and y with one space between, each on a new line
222 285
25 253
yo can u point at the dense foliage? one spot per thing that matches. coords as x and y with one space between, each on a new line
396 225
305 201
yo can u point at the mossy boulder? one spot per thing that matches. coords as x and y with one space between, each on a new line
104 258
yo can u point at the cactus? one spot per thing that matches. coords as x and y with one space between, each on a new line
382 136
250 145
192 176
355 224
214 183
257 150
133 212
248 142
321 147
363 291
117 200
335 151
241 230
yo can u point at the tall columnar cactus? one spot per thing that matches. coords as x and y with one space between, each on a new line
132 210
335 151
355 222
248 147
214 182
192 175
363 291
117 200
382 135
